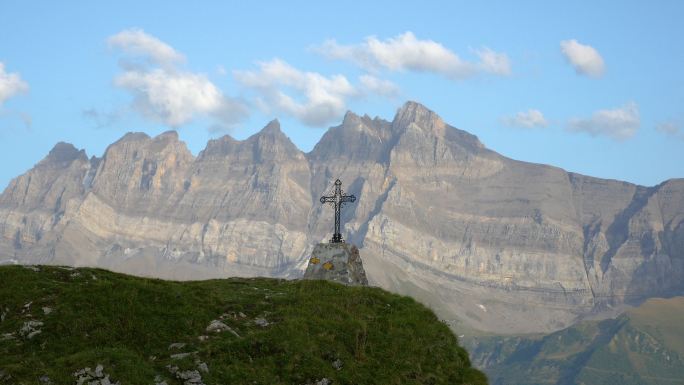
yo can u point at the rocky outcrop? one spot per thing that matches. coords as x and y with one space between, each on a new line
93 377
337 262
439 217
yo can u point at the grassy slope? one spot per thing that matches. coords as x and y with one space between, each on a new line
127 324
643 346
663 318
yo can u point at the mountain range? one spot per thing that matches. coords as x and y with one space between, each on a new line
490 243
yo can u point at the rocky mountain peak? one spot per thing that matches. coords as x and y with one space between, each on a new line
133 136
416 113
168 141
272 140
219 147
358 137
272 128
267 144
63 154
137 145
350 118
170 135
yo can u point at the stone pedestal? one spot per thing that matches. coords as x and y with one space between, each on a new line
337 262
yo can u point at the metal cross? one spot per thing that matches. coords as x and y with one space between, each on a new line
338 199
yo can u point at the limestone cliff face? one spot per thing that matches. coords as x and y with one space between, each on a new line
492 242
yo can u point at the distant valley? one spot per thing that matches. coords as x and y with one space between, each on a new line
643 346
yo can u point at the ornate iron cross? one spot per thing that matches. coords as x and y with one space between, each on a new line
338 199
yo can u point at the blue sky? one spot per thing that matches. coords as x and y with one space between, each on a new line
592 87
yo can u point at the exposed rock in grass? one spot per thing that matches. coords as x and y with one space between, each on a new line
93 377
180 356
177 345
218 326
202 366
30 329
322 381
232 315
189 377
261 322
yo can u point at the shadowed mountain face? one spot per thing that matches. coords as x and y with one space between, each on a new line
491 242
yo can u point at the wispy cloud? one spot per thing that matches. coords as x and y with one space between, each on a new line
372 85
104 119
136 42
405 52
526 119
584 58
618 123
323 98
496 63
11 84
164 92
671 128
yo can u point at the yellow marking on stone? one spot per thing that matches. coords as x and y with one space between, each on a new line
328 266
314 260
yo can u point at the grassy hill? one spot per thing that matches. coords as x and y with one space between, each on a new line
57 321
643 346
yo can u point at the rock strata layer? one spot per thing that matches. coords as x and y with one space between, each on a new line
337 262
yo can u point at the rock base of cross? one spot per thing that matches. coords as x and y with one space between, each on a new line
337 262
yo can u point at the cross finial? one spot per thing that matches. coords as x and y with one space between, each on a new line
338 199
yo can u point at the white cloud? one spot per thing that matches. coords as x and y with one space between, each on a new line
494 62
619 123
407 53
584 58
526 119
172 97
11 84
373 85
672 129
137 42
323 98
162 92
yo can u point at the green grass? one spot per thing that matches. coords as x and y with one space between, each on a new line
127 323
663 318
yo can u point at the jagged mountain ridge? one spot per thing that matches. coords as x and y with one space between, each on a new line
496 243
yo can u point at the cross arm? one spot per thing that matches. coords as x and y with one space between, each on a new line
327 199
